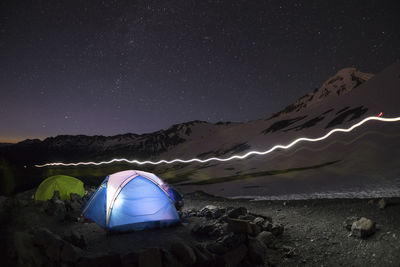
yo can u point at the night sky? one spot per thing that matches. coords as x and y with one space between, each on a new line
112 67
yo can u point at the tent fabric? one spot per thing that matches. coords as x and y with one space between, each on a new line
131 201
64 184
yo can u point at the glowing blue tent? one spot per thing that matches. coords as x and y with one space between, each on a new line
131 201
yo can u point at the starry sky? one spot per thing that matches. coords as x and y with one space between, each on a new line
112 67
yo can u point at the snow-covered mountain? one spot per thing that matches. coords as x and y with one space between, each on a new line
363 158
343 82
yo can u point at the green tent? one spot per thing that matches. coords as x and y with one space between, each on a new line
61 183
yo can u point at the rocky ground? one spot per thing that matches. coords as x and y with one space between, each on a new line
214 232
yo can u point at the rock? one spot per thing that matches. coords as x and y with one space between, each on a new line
235 213
233 240
210 228
255 229
73 206
56 196
382 203
76 239
247 217
212 212
75 197
223 219
289 251
267 238
70 253
150 257
239 226
259 221
206 209
276 229
184 253
106 260
257 251
130 259
349 222
235 257
363 228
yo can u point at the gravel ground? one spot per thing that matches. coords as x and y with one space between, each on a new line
314 234
314 228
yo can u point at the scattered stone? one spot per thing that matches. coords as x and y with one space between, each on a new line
236 212
382 203
235 257
239 226
150 257
363 228
184 253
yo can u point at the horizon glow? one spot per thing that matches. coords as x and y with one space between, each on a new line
254 152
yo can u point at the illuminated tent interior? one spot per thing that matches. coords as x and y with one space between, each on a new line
131 201
64 184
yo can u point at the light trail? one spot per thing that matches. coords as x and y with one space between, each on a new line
250 153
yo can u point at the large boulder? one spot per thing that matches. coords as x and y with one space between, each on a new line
183 252
363 228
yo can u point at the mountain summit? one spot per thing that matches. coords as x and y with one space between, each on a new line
341 83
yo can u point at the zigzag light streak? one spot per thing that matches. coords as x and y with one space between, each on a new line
232 157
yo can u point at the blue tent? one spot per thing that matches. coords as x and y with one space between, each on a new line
131 201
